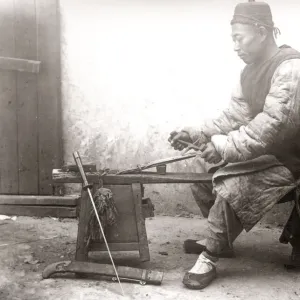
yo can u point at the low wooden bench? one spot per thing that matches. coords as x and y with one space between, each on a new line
129 233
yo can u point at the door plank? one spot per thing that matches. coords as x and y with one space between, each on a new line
26 48
38 211
38 200
49 111
8 116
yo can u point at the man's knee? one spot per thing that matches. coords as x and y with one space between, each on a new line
202 192
203 196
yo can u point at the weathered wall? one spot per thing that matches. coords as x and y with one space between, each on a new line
132 71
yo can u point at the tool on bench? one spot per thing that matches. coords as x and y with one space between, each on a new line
200 148
192 146
156 163
163 162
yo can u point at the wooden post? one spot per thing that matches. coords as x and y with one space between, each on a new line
83 245
140 222
82 235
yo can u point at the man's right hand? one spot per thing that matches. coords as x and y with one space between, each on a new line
175 136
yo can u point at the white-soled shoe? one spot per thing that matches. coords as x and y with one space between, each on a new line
201 275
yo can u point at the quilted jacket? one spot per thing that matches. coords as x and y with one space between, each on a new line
247 129
258 136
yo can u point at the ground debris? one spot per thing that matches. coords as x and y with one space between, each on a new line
166 243
29 260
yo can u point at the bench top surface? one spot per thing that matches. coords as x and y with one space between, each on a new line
60 176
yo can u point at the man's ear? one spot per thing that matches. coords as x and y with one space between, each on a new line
263 32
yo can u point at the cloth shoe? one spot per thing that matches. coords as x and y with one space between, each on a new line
201 275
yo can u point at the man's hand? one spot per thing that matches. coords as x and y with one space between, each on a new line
175 136
210 154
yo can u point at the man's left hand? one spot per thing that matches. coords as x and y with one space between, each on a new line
210 154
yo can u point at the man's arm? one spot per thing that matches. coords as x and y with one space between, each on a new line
279 120
236 115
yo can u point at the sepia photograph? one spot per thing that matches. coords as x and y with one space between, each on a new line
149 149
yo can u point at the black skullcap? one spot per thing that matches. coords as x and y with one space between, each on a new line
254 13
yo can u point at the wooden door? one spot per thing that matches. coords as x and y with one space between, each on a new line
30 114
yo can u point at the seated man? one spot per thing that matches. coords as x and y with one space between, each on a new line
257 138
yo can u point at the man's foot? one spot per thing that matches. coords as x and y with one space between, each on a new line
201 275
193 247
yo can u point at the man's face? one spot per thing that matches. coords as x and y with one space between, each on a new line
248 42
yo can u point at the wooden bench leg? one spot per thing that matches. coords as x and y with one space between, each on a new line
140 222
82 247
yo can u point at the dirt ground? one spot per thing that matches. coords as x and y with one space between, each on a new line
29 244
